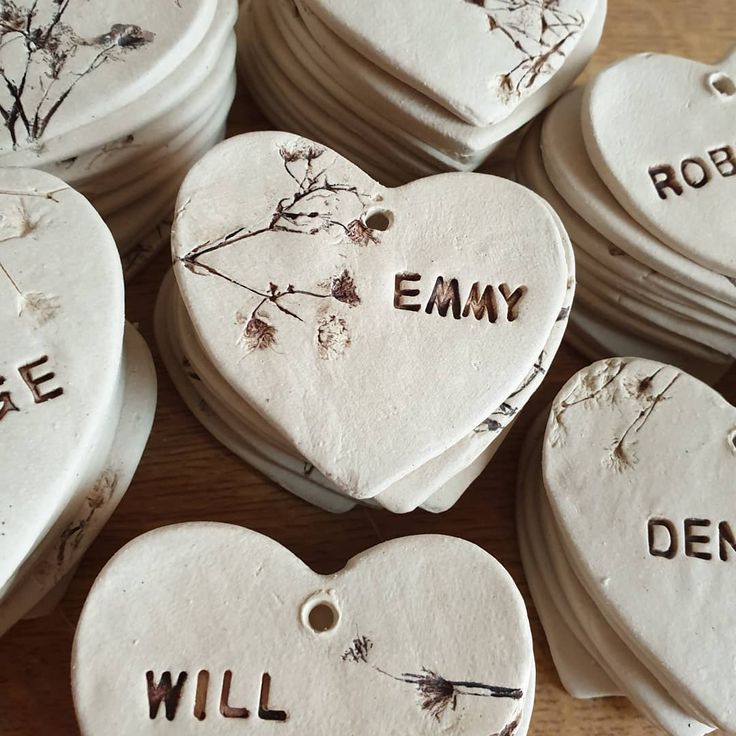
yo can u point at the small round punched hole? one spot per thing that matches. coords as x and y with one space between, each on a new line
722 84
732 440
323 617
380 220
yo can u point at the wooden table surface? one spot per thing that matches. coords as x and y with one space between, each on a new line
187 476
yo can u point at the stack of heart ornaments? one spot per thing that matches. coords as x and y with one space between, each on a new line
625 520
646 197
414 88
353 342
147 652
77 388
118 98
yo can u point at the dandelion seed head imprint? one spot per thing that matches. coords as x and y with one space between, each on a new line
333 337
40 307
359 650
258 335
359 233
343 289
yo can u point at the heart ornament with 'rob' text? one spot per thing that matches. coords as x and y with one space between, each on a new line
672 166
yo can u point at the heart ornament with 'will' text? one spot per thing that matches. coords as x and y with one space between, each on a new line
61 339
670 163
373 328
502 51
229 632
639 467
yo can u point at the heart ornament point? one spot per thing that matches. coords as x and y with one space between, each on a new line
373 327
639 465
672 168
503 51
230 618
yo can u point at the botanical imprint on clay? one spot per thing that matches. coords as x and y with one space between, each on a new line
540 30
50 60
309 209
612 384
17 223
437 694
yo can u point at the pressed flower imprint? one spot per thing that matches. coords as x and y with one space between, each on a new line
16 223
610 384
437 694
540 30
309 209
45 58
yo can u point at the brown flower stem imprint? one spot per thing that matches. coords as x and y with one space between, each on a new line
305 212
312 186
438 693
517 19
620 456
51 42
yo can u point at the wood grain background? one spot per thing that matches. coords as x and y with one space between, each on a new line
187 476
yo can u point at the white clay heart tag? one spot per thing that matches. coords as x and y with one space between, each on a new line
329 302
639 466
229 632
672 168
503 51
87 60
61 335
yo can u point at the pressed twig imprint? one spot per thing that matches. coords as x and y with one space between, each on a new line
538 29
52 60
309 210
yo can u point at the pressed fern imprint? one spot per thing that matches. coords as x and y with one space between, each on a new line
540 30
310 209
17 223
437 694
43 59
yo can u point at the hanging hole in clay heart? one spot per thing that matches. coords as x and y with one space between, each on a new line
722 84
732 440
320 614
380 220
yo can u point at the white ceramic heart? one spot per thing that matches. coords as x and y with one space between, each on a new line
62 335
98 56
657 458
332 284
502 51
277 620
673 171
570 170
62 550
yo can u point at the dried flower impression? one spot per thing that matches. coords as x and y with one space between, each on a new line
437 693
259 335
538 29
310 210
55 59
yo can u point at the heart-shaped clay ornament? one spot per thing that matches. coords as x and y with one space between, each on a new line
61 340
673 171
502 50
639 463
230 626
336 307
87 60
